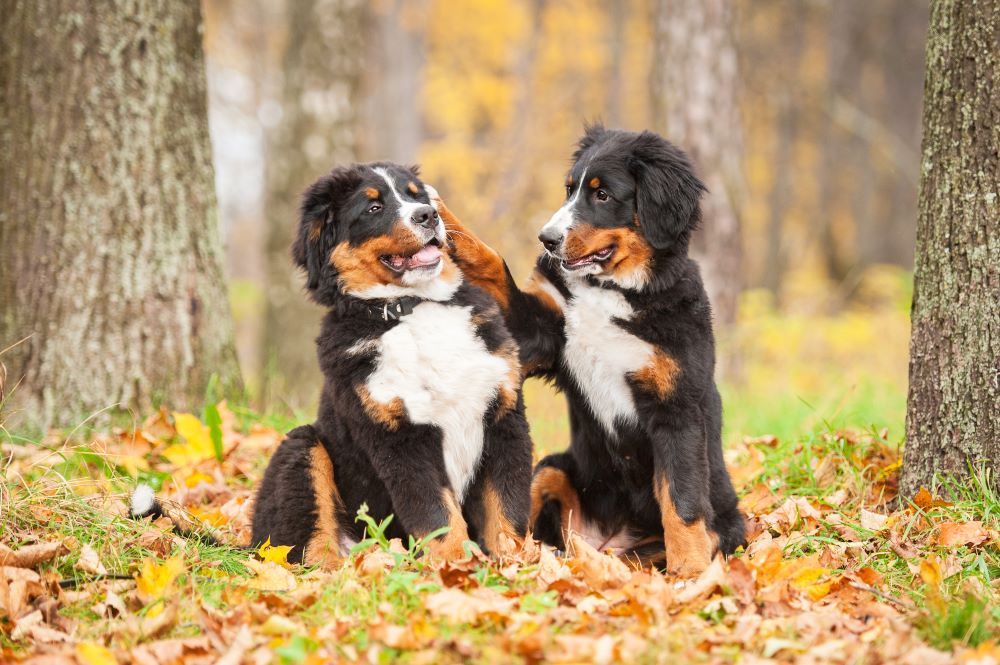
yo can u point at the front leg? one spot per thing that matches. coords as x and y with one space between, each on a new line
681 486
502 488
407 459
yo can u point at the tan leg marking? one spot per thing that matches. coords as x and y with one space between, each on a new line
498 533
479 262
660 376
323 548
389 414
535 286
449 546
551 483
690 547
507 393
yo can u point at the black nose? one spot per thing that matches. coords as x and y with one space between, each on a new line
425 216
551 239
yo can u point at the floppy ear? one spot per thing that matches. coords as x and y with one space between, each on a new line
667 190
318 228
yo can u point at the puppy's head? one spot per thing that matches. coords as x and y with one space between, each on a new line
369 230
628 196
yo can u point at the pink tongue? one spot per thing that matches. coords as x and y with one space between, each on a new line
429 255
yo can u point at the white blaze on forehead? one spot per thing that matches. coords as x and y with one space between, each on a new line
406 208
562 220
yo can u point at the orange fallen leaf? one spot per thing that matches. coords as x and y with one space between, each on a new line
91 653
956 534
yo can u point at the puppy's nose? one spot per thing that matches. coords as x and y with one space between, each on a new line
425 216
551 239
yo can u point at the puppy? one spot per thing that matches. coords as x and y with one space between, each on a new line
617 316
421 415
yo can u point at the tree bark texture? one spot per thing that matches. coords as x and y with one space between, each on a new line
695 92
110 252
318 129
953 411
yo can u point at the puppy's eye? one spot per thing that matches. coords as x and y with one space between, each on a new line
569 191
375 207
601 195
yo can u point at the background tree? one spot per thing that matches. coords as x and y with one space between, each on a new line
318 128
110 254
953 412
695 103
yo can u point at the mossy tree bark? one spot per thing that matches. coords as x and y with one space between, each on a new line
953 413
110 252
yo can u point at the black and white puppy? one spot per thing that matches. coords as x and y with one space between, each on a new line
617 316
421 414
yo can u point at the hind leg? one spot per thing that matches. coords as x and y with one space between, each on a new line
555 504
298 503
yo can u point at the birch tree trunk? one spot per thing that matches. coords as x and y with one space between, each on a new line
695 93
953 411
110 252
317 130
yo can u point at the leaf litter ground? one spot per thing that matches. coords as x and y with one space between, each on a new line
838 568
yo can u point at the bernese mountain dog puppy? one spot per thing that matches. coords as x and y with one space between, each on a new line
616 315
421 415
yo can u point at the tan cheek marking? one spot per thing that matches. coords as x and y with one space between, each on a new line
449 546
552 484
479 262
533 287
359 267
595 182
389 414
323 548
412 186
660 376
690 547
499 534
633 254
371 193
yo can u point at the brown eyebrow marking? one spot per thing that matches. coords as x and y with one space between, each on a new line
412 186
372 193
595 182
569 181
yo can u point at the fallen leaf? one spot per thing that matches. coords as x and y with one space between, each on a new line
711 579
275 553
89 562
269 576
601 571
956 534
29 556
197 445
462 607
91 653
873 521
155 581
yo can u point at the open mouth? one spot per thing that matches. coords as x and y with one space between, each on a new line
427 256
597 257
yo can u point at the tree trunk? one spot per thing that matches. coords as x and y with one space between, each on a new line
695 84
110 250
317 130
953 411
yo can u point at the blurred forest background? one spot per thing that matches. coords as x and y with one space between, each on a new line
808 136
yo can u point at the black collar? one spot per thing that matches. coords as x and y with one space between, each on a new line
383 310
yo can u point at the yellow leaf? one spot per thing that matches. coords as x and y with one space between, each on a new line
198 477
807 580
930 572
156 581
275 554
91 653
211 516
197 444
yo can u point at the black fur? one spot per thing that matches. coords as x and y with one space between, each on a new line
396 470
680 436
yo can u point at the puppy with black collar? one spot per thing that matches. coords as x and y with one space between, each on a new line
421 414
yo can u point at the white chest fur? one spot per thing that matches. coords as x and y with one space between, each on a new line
599 353
434 362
